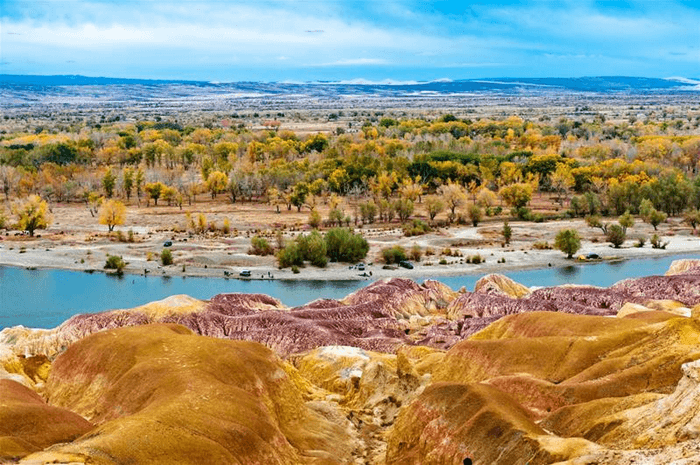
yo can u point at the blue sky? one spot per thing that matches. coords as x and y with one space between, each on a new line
349 40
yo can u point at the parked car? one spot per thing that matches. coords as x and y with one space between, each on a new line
406 264
167 243
244 273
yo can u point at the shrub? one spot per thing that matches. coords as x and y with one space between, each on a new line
295 269
475 259
568 241
442 261
507 232
290 256
393 254
260 246
313 249
657 243
541 245
116 263
166 257
522 213
475 214
314 219
342 245
640 242
615 235
130 236
416 253
416 228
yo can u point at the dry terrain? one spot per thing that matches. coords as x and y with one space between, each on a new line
75 240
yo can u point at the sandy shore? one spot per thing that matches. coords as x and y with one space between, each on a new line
215 256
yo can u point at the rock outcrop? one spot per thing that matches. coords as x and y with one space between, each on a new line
497 284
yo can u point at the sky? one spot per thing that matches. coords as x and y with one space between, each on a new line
338 40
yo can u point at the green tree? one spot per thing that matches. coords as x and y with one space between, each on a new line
626 221
650 214
692 217
301 190
109 181
154 190
616 235
403 208
475 214
128 181
568 241
507 232
435 206
32 214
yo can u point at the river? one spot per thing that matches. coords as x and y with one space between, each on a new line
44 298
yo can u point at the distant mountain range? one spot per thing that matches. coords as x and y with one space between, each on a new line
603 84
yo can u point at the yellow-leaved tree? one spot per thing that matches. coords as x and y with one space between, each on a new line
112 213
32 214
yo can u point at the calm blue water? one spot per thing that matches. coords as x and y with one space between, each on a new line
46 298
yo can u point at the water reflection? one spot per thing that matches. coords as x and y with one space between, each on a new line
568 271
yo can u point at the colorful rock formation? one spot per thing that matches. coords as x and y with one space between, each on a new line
396 373
160 394
28 424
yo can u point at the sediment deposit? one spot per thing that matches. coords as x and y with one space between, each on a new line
397 372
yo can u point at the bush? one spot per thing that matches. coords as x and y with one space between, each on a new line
442 261
541 245
475 215
260 246
290 256
615 235
476 259
313 249
315 219
521 213
416 253
416 228
295 269
394 254
342 245
568 241
166 257
657 243
116 263
309 247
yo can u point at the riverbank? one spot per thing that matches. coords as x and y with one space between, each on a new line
206 256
